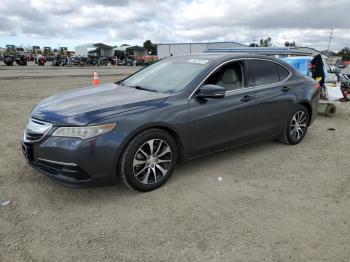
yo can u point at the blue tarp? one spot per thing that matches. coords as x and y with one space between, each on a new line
300 63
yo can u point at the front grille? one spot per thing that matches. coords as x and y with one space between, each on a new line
68 170
36 130
31 136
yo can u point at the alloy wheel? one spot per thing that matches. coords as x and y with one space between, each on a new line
298 125
152 161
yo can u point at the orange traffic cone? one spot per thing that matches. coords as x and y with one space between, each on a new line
95 80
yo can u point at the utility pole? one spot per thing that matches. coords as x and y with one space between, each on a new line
330 39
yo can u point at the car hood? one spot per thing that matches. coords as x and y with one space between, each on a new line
82 106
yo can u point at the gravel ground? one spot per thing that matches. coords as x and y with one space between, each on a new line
274 202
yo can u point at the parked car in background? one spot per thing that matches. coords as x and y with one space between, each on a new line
346 71
345 85
171 111
344 79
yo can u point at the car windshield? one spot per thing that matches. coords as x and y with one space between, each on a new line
167 76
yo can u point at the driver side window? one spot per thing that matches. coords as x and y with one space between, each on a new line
230 76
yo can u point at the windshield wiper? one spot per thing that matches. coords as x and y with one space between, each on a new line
119 83
144 88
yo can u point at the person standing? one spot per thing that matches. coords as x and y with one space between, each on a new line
317 69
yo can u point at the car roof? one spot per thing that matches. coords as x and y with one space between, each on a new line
215 58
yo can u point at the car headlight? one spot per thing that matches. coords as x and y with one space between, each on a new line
84 132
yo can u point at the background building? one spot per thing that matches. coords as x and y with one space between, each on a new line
164 50
98 49
127 50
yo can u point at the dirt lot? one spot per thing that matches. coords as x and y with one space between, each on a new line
274 203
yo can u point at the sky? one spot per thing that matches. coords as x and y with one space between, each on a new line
69 23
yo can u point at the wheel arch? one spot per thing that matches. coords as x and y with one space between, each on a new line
176 137
308 106
174 133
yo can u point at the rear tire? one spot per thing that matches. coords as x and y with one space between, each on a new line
330 110
296 127
149 160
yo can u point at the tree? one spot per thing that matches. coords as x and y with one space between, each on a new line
253 45
290 44
150 47
345 53
265 42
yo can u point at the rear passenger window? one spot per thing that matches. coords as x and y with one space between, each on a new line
283 72
265 72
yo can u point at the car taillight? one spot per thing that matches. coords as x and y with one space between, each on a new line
317 85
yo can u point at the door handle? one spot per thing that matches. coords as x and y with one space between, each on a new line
285 89
247 98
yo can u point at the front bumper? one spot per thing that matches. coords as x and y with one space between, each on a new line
74 162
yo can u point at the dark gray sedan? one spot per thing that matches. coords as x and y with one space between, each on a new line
174 110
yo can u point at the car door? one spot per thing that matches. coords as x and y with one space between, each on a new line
274 99
223 122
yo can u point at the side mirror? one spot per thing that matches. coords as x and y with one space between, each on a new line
211 91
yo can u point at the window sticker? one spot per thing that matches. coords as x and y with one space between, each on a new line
198 61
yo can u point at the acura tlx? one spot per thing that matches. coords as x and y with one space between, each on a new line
174 110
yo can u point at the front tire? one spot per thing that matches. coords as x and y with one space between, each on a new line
296 127
149 160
